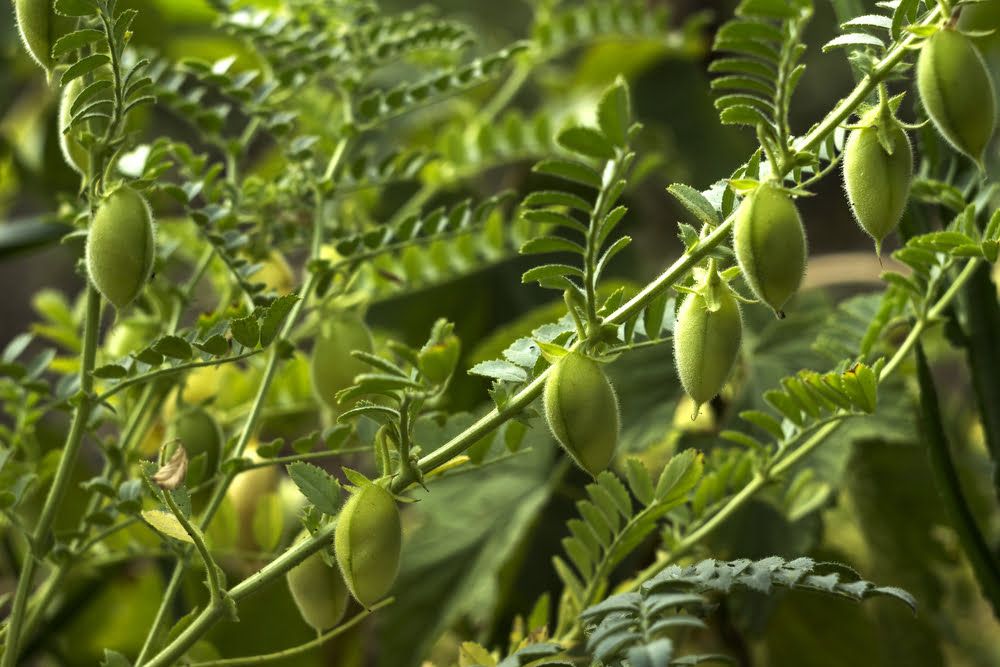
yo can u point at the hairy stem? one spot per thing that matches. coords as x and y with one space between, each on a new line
209 616
136 426
211 569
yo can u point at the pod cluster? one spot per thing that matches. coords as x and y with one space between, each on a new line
582 411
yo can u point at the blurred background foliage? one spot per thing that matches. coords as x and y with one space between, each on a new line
478 548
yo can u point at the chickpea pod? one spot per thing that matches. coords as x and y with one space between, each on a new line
319 591
582 411
121 246
877 181
957 92
332 367
367 543
40 27
707 339
770 245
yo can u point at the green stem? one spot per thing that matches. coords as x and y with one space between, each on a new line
214 584
308 456
507 91
301 648
41 537
593 242
949 486
173 370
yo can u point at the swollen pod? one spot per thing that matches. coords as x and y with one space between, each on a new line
319 592
770 245
582 411
877 182
332 366
40 27
121 246
957 92
706 342
368 542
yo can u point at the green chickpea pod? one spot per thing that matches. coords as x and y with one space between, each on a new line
367 543
877 181
770 245
957 92
332 366
707 339
40 27
582 411
121 246
319 591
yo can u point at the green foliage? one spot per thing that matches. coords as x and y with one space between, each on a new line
323 157
757 81
635 626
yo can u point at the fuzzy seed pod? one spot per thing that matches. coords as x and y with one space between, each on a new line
319 592
40 27
332 366
74 153
770 245
877 182
121 246
200 434
957 92
582 411
706 343
367 543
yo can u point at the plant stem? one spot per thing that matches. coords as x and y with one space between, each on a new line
41 537
301 648
173 370
135 426
212 570
308 456
507 91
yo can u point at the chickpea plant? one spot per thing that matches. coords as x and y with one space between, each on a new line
172 394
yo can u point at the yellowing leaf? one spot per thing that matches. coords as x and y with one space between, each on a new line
167 524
